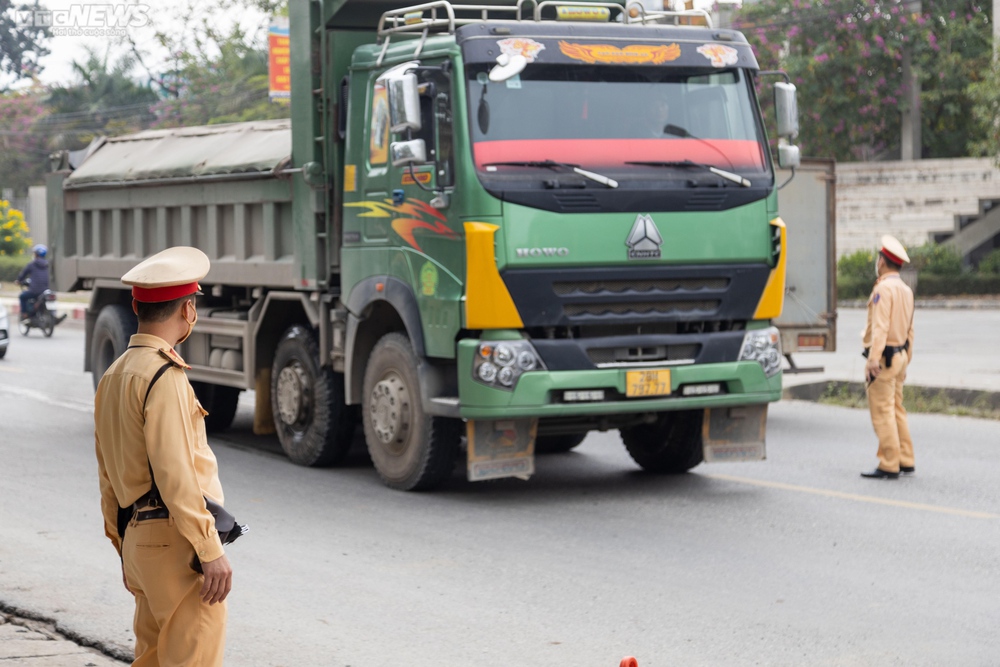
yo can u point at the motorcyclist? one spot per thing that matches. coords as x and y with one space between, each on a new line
36 277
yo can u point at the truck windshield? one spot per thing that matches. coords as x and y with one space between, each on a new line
625 122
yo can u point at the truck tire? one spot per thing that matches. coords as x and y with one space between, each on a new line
220 401
314 425
558 444
411 450
672 444
115 325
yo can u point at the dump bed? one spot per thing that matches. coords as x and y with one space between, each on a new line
224 188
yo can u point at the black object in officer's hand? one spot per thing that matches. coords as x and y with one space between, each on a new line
225 524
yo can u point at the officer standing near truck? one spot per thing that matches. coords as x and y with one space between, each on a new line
888 341
150 436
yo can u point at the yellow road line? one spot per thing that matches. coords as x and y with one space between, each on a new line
854 496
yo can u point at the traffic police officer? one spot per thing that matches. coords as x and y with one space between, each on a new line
150 427
888 341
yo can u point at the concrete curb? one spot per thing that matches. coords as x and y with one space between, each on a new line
76 313
29 640
945 303
978 399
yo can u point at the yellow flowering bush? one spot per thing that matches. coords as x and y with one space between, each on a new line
14 239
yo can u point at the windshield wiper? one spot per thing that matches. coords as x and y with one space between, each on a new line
728 175
552 164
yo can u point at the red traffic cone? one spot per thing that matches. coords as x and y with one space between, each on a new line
628 661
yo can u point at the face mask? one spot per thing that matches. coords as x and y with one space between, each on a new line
190 326
876 266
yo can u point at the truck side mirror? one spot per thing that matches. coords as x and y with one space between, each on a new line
788 156
403 153
787 109
404 101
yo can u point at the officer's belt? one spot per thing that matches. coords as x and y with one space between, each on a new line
148 507
889 352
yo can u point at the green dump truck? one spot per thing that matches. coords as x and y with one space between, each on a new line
485 231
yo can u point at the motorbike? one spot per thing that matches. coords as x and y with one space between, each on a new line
41 312
4 331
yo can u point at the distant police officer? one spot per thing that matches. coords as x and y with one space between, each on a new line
888 341
150 427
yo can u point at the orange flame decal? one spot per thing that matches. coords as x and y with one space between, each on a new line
421 216
633 54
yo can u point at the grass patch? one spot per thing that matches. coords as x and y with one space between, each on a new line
936 400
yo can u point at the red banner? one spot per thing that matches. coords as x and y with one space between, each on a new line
279 60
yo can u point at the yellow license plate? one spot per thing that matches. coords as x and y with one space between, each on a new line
647 383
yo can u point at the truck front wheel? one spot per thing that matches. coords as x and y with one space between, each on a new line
115 325
314 425
410 449
671 444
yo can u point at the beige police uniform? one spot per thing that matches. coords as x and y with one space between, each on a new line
166 432
890 323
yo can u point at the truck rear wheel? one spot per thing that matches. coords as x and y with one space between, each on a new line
220 401
410 449
558 444
314 425
115 325
671 444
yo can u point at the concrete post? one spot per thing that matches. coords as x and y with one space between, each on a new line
910 126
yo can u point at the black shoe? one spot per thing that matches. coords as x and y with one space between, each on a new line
909 470
878 473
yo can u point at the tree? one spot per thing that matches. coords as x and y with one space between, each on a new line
985 97
22 43
23 149
229 87
845 58
216 74
105 100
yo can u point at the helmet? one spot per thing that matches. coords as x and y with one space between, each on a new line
40 250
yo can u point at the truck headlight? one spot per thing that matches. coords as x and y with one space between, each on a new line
500 364
764 347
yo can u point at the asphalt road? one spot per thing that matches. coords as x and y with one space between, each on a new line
795 560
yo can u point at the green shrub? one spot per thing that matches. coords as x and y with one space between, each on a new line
967 283
990 265
11 266
858 266
941 260
850 288
13 230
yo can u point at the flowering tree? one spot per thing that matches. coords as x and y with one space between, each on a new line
23 145
13 230
845 58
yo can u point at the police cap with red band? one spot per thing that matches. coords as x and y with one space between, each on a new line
894 250
168 275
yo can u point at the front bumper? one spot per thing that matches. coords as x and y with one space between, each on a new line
539 393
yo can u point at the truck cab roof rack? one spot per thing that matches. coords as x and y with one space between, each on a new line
443 16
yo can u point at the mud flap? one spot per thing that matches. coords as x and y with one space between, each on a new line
735 434
501 448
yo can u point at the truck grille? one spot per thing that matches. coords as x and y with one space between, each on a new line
636 294
624 286
640 308
604 356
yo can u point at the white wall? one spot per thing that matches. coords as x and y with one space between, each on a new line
908 199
